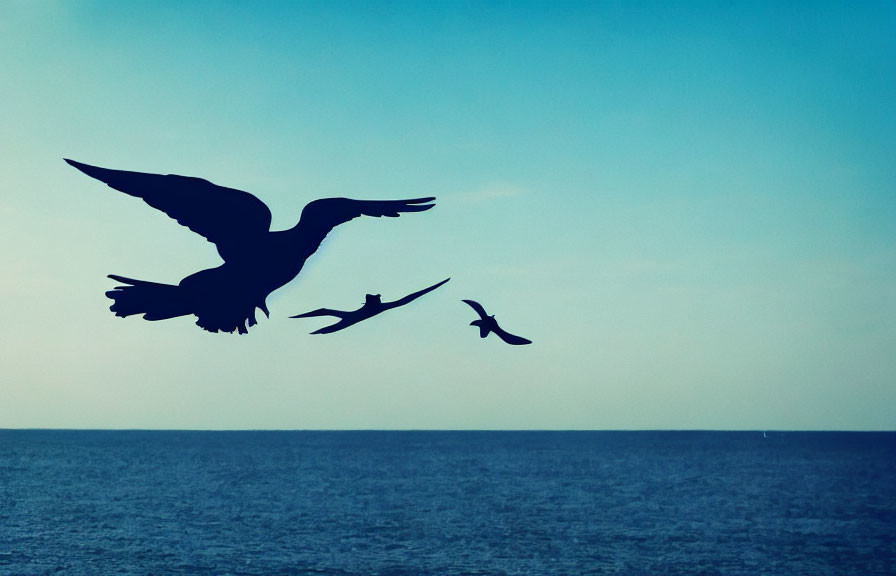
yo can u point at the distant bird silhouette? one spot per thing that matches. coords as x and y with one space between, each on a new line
257 260
371 307
488 324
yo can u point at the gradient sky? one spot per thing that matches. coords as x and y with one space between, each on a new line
689 207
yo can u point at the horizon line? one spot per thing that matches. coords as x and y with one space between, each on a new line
435 430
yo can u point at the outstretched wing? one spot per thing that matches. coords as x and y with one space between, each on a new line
321 216
340 325
225 216
411 297
478 308
321 312
346 319
510 338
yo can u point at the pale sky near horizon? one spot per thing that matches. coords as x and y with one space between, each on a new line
689 207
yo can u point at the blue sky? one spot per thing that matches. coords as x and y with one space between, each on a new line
689 208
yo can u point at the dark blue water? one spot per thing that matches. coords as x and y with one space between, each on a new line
403 503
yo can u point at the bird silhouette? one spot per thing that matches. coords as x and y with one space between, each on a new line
487 324
257 260
372 306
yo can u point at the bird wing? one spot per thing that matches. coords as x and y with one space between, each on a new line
478 308
411 297
321 312
340 325
510 338
225 216
321 216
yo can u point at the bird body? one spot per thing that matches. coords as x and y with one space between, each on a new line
372 306
487 324
257 261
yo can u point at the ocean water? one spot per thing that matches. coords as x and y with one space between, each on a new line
414 503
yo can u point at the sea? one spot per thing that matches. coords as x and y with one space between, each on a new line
297 503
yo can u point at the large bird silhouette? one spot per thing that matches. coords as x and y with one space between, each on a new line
257 260
372 306
488 324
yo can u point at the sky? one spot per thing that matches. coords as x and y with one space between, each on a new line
689 207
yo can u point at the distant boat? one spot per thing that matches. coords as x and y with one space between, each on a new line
763 435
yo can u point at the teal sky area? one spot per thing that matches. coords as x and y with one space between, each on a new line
689 207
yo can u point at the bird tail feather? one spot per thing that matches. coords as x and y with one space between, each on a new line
154 300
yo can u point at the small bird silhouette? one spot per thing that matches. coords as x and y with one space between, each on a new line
488 324
257 260
371 307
